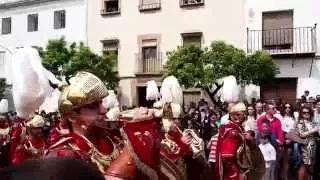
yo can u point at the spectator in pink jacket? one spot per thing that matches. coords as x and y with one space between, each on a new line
275 123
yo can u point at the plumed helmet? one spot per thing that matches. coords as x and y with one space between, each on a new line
36 122
176 110
113 114
85 89
158 105
172 110
238 107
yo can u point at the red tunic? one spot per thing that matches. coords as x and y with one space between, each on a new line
57 133
29 149
17 135
100 152
229 141
177 152
4 145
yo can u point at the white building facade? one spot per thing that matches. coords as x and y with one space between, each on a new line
34 22
140 32
288 30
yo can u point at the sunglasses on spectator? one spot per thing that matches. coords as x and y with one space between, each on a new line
305 112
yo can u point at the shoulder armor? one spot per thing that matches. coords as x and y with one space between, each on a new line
123 167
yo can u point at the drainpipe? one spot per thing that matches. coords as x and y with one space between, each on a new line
247 40
311 67
315 38
315 48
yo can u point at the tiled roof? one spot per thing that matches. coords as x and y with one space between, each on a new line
5 4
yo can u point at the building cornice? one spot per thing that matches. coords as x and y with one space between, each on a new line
14 4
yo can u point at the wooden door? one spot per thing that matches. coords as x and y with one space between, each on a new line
280 88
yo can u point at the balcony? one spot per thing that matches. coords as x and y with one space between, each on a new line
106 12
150 65
299 41
147 5
191 3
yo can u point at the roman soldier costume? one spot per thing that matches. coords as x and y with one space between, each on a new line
31 147
86 90
234 154
230 140
17 134
186 161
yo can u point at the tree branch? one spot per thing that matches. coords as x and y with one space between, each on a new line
212 95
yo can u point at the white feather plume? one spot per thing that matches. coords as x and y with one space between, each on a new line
152 91
230 89
171 92
50 103
30 83
3 106
110 101
51 76
252 91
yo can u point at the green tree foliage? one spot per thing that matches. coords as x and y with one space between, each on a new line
196 67
3 86
64 60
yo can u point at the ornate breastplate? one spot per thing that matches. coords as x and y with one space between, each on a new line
96 157
35 152
170 146
4 136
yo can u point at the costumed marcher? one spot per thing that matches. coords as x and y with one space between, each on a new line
34 145
235 157
79 105
184 150
4 140
27 96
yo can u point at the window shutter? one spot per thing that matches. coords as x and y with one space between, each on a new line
63 19
278 28
6 25
149 43
56 20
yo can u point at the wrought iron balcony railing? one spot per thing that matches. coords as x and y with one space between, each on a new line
298 40
147 5
188 3
150 64
110 11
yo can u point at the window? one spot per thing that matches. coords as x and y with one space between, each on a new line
59 19
148 5
6 25
110 48
149 56
110 7
32 22
277 29
192 39
186 3
149 53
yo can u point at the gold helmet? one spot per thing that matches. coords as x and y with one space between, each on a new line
36 122
85 89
